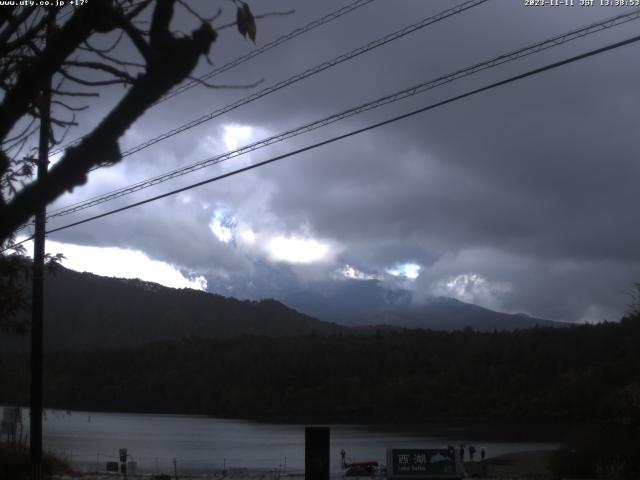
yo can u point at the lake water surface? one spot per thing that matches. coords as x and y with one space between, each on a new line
198 444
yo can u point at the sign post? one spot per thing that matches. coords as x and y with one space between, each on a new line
316 453
123 462
424 463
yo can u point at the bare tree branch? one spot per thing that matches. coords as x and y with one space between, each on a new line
124 76
13 23
66 93
136 37
23 132
32 77
135 11
202 18
257 17
118 61
90 83
226 87
27 37
69 107
169 61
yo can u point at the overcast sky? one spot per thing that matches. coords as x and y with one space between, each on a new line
521 199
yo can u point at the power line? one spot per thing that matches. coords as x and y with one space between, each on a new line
244 58
307 73
310 72
289 36
318 68
421 88
432 106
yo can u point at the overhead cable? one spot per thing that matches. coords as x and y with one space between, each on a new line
258 51
306 74
432 106
402 94
244 58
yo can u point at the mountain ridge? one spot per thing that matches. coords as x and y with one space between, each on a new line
84 311
368 302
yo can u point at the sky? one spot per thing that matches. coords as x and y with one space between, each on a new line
519 199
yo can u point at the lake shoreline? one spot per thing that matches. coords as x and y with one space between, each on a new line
199 444
516 465
481 427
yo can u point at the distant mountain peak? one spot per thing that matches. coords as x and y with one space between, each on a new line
370 302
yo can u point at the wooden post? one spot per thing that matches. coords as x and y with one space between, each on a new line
37 300
316 453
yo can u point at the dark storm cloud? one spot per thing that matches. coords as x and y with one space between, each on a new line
528 189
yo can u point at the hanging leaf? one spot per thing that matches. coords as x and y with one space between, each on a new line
245 22
241 21
251 23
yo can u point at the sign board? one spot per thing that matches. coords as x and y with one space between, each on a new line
112 466
423 463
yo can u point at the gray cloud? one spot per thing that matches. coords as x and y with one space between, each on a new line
530 187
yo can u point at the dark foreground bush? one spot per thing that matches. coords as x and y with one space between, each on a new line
14 463
603 450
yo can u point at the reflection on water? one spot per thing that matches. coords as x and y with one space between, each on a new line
89 439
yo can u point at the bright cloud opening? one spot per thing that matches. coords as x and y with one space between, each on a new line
297 250
222 225
122 263
353 273
407 270
222 232
236 135
473 288
248 236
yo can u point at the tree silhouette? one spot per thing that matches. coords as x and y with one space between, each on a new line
40 44
79 51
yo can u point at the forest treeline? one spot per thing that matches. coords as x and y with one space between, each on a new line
579 373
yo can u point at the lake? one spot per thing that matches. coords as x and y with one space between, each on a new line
204 444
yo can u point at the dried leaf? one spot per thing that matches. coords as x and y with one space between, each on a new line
251 23
241 21
245 22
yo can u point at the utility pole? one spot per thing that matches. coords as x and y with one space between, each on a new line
37 296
